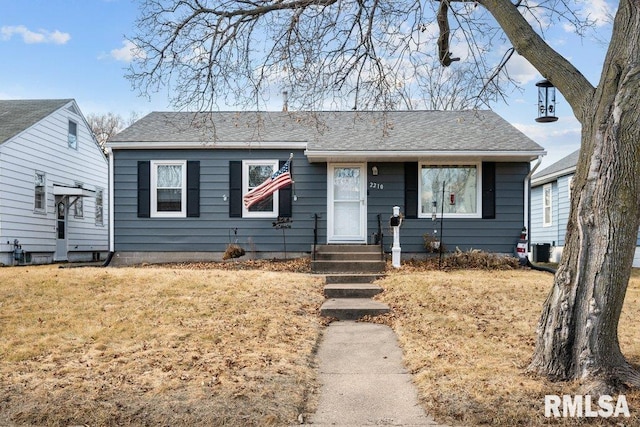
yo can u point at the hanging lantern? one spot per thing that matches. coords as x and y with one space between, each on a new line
546 102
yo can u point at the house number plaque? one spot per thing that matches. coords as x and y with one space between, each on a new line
376 185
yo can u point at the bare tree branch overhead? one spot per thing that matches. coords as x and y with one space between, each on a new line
324 53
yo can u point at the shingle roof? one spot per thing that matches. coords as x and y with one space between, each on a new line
18 115
337 131
565 166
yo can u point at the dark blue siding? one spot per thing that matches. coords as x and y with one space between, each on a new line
493 235
212 231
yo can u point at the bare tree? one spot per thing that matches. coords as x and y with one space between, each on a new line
104 126
377 54
328 53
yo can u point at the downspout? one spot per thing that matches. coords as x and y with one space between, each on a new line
526 216
527 181
111 209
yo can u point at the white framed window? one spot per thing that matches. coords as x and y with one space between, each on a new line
72 136
254 173
40 193
462 195
78 205
547 205
168 188
99 206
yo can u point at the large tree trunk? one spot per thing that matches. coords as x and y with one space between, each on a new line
577 337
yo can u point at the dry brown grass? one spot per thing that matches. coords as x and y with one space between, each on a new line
233 343
160 346
468 335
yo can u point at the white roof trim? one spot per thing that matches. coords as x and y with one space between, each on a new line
553 176
63 190
400 155
166 145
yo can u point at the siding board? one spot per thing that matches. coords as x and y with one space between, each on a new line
43 147
213 231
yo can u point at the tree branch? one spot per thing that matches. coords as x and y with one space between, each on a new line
443 40
554 67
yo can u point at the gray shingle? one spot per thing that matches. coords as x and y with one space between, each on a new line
18 115
338 131
567 163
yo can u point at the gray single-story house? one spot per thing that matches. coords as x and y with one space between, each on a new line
550 206
178 180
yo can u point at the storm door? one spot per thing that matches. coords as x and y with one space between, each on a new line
61 229
347 203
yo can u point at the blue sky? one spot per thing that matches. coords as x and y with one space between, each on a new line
77 49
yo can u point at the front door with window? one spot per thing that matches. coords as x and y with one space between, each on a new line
347 203
61 229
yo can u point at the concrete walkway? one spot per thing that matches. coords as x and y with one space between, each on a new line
363 380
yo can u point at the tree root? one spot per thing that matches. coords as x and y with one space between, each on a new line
617 380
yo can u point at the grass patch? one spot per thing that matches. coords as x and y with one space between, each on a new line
233 343
156 346
468 335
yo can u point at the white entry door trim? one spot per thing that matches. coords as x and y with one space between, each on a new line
62 213
346 203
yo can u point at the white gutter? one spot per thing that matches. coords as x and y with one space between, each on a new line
526 193
552 177
397 155
184 145
111 197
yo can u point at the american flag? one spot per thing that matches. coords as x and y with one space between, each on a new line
276 181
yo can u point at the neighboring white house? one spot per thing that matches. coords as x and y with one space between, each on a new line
53 184
550 205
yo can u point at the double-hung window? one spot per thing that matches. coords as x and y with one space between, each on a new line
99 207
450 189
168 188
78 205
547 205
254 173
40 193
72 136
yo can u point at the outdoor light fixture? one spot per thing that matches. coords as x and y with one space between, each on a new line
374 170
546 102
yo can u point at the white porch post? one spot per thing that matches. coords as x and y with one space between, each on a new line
396 250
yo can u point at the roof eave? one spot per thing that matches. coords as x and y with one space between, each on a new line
539 180
191 145
315 156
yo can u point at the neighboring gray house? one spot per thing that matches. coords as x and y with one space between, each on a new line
550 205
349 168
53 184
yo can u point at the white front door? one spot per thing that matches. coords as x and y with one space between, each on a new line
347 203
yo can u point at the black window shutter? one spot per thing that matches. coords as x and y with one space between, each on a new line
285 208
193 189
411 190
144 189
488 190
235 189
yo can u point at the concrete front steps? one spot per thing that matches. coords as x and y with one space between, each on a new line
350 271
355 259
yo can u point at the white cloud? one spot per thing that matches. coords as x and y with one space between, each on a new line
599 11
59 37
31 37
127 53
521 70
